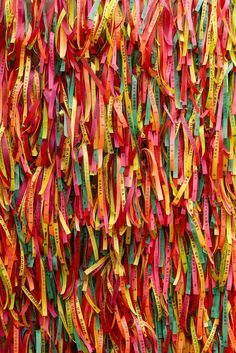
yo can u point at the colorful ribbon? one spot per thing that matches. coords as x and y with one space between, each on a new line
117 176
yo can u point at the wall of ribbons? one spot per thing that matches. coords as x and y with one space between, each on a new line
117 176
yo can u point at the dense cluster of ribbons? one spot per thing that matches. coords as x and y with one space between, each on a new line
117 176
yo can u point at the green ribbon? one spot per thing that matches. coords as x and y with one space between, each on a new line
215 310
225 320
94 10
189 273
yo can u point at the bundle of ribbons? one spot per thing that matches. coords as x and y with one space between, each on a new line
117 176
